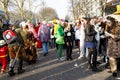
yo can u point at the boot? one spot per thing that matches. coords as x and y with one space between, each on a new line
90 66
20 65
94 68
114 74
20 71
107 65
11 72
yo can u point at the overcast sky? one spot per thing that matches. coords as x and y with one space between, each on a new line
61 6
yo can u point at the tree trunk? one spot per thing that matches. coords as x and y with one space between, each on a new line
5 7
73 10
6 13
102 7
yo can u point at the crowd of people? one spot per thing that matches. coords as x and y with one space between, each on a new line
93 36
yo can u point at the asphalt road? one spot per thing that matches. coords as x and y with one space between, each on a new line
49 68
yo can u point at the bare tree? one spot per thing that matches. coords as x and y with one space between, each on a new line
14 16
43 13
67 17
22 6
19 4
48 13
102 6
72 7
81 7
4 5
31 7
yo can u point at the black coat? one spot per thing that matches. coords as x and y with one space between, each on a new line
90 33
69 36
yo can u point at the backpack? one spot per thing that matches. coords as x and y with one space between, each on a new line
9 36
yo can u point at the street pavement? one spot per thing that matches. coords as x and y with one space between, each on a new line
49 68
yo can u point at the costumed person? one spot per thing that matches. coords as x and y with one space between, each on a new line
44 36
103 41
90 43
97 36
52 38
113 47
29 44
3 47
39 43
82 39
3 55
31 27
69 42
77 33
15 47
56 25
60 40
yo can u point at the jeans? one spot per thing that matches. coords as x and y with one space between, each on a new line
45 47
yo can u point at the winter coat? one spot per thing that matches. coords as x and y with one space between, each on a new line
31 28
44 33
15 46
90 34
90 41
68 36
60 35
30 47
39 43
114 45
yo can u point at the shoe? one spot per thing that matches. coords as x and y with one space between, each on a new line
114 74
21 71
47 53
3 71
97 62
67 59
71 59
44 54
107 65
104 59
80 57
96 70
90 67
62 59
11 73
